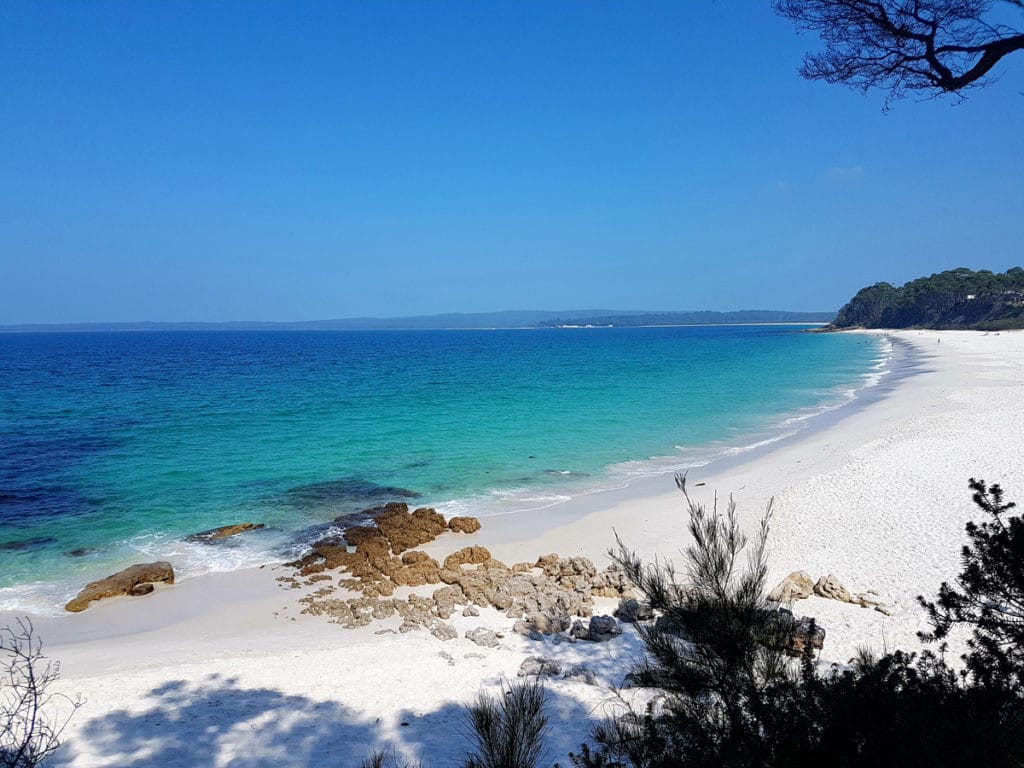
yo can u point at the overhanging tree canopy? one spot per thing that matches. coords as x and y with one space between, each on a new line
931 47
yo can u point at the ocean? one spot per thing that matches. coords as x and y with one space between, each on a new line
115 446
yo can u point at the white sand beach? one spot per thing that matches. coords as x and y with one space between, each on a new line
225 671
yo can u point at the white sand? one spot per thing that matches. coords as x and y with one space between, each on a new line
222 671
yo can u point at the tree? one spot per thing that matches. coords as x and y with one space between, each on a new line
30 728
930 47
718 651
729 699
989 594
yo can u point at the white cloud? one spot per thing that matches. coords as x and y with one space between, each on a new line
848 173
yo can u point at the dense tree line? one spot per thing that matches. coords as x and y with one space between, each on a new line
955 299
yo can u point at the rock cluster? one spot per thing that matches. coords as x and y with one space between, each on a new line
798 585
134 581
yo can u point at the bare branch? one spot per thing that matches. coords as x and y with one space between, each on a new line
930 47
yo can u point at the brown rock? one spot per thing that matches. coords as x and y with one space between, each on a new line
830 587
545 560
224 532
796 586
122 583
357 534
467 556
464 525
405 531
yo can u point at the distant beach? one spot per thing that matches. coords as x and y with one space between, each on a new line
225 666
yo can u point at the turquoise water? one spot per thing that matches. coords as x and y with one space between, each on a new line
115 445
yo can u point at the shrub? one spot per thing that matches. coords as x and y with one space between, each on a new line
508 731
30 728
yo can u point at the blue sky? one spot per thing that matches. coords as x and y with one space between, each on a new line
289 160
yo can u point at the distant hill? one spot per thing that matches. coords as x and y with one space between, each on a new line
956 299
455 321
635 319
506 319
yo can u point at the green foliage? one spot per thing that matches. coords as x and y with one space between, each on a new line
989 595
957 298
508 731
731 699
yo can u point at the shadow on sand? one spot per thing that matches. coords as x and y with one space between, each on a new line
216 723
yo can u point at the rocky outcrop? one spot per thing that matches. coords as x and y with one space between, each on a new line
542 598
796 586
224 532
405 530
799 585
463 525
130 581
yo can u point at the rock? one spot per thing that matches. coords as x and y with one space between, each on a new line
579 631
544 560
633 610
444 631
409 626
548 623
445 600
122 583
406 531
870 600
470 610
224 532
602 629
357 534
464 525
523 627
466 556
539 665
521 568
805 632
141 589
483 637
580 673
80 552
796 586
414 557
830 587
611 582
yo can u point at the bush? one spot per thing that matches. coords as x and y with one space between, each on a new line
508 731
30 729
733 699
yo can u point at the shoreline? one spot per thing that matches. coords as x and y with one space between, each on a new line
540 504
876 494
511 535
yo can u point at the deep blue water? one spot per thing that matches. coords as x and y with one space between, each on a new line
115 445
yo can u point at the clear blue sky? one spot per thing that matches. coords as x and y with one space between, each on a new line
289 160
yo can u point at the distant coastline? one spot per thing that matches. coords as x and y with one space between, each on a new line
507 320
